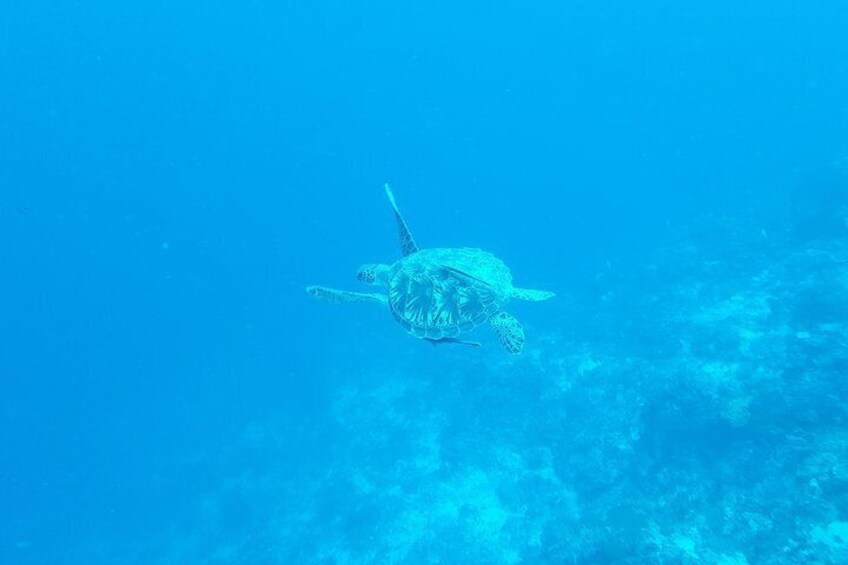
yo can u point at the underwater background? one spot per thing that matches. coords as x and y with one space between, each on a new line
174 174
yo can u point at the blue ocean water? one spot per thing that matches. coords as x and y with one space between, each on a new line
173 175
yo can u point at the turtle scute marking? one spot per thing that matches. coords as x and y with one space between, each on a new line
432 300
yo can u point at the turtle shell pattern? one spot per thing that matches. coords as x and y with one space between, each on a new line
431 296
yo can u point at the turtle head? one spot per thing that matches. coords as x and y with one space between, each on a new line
373 273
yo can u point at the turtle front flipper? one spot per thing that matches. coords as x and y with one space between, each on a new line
510 331
531 294
453 341
333 295
407 244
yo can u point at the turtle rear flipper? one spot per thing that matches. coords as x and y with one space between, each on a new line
333 295
531 294
407 244
510 331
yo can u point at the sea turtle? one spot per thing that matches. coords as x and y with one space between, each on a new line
439 294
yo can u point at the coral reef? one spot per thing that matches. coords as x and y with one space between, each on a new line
703 422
